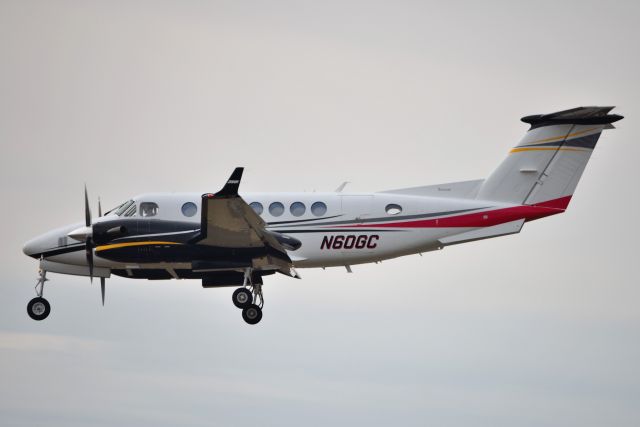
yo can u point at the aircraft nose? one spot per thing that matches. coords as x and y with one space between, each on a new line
32 247
51 240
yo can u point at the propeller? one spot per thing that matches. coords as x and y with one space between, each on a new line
87 210
89 240
89 253
102 288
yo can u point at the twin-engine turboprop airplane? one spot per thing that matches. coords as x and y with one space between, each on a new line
225 239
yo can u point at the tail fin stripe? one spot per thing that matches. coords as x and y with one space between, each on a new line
556 148
561 137
588 141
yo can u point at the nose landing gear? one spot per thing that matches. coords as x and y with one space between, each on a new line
39 308
249 298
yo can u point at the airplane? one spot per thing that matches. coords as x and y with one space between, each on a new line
228 239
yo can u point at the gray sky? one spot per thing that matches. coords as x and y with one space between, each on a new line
539 329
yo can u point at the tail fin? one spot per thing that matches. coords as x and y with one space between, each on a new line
545 167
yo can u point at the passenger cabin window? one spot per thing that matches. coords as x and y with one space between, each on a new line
276 208
148 209
297 208
393 209
318 208
257 207
189 209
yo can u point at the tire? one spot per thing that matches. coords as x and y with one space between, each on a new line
252 314
242 298
38 308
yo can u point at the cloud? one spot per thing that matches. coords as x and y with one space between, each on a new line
30 342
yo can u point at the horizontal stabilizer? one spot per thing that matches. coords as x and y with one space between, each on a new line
507 228
574 116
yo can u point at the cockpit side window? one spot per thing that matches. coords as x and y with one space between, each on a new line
148 209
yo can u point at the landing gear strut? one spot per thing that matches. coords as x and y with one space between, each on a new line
249 298
39 308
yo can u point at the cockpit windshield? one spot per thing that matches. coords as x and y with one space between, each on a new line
127 208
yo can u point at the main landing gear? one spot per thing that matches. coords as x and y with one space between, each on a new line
249 299
39 308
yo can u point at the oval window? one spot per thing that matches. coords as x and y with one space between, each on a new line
257 207
276 208
189 209
297 208
393 209
318 209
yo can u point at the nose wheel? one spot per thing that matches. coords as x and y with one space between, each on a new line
249 299
39 308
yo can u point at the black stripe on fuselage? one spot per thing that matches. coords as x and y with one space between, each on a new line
185 253
301 220
58 251
177 237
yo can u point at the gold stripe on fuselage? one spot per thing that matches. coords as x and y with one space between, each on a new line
128 244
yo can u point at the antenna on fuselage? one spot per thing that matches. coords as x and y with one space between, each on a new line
341 187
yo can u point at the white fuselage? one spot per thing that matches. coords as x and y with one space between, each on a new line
355 228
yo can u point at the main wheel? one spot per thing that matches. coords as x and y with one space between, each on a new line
242 298
252 314
38 308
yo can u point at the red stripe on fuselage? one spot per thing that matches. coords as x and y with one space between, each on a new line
561 203
481 219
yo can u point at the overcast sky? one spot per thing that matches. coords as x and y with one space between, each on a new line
538 329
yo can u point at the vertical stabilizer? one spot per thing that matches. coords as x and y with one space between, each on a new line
546 165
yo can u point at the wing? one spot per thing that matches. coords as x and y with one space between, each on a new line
227 221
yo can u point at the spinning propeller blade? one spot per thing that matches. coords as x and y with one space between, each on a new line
89 240
89 253
102 288
89 244
87 210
